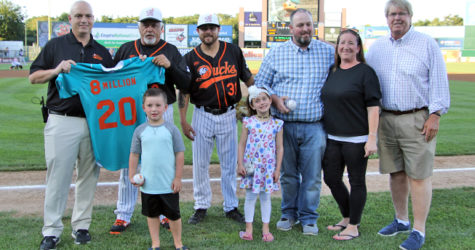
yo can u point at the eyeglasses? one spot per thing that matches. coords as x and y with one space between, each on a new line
394 14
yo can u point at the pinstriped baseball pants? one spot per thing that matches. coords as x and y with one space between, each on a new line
127 195
222 129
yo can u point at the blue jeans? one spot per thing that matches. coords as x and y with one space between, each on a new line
301 178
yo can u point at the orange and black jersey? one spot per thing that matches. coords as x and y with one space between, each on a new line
175 75
215 81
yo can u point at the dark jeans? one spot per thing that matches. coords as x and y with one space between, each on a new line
337 155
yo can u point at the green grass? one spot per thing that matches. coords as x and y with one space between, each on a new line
447 228
457 128
6 66
21 129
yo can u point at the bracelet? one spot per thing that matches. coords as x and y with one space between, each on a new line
435 113
374 134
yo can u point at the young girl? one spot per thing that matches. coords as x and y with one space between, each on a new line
259 159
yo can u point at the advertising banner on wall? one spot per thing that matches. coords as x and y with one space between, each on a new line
112 35
252 33
253 54
450 43
252 19
177 34
375 32
57 29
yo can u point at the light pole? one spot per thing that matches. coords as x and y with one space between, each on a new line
25 54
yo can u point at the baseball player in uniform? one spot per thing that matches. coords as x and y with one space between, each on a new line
216 68
176 74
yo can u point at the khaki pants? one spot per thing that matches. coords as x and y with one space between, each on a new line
68 146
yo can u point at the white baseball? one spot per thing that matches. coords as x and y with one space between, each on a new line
138 179
291 104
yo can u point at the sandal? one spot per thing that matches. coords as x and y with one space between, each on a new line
336 227
268 237
348 237
245 236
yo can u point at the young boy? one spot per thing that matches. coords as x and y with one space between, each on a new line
161 150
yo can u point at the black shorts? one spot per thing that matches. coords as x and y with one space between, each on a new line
154 205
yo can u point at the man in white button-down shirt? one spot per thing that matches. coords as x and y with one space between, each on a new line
415 93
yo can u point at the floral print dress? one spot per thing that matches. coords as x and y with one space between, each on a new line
260 152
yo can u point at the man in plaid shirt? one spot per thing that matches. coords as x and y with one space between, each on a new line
297 70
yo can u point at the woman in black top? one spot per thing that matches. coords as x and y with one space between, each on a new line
350 97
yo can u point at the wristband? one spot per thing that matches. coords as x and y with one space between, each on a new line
435 113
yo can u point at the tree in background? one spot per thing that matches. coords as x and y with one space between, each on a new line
450 20
11 22
225 19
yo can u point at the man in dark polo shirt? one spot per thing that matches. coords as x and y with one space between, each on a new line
67 140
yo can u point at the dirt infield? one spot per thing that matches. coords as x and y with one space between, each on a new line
13 73
450 172
462 77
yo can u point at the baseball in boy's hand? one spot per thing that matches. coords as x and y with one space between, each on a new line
291 104
138 179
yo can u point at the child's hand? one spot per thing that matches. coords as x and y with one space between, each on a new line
276 176
176 185
241 171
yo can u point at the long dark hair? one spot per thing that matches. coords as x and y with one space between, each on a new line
359 56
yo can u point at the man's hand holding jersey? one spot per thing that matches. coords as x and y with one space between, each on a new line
160 60
64 66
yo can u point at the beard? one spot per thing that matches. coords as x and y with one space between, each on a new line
303 41
150 41
210 41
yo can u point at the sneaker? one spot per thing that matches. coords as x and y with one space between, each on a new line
198 216
81 236
414 241
310 229
235 215
119 226
394 228
165 223
285 224
183 248
49 242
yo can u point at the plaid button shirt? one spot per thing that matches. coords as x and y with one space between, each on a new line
411 71
299 74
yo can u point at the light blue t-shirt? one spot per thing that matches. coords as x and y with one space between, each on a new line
112 101
157 146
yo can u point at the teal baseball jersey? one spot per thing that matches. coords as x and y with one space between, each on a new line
112 101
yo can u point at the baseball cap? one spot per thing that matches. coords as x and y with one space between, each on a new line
208 19
150 14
